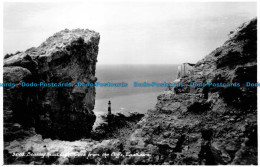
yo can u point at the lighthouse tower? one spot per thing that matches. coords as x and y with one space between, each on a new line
109 108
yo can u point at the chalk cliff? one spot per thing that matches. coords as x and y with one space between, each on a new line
184 70
66 113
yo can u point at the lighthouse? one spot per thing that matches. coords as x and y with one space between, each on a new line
109 108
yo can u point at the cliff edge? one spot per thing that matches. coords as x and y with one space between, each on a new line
207 125
65 112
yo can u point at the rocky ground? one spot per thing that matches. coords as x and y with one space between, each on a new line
187 126
33 149
208 125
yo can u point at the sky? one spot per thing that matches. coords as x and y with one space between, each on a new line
132 32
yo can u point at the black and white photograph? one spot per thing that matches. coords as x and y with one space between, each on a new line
129 82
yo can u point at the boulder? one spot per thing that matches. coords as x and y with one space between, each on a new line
66 112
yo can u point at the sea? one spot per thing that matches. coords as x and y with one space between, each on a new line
130 99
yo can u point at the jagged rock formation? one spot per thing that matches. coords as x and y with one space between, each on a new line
211 125
56 112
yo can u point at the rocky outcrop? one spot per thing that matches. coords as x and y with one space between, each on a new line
207 125
64 112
